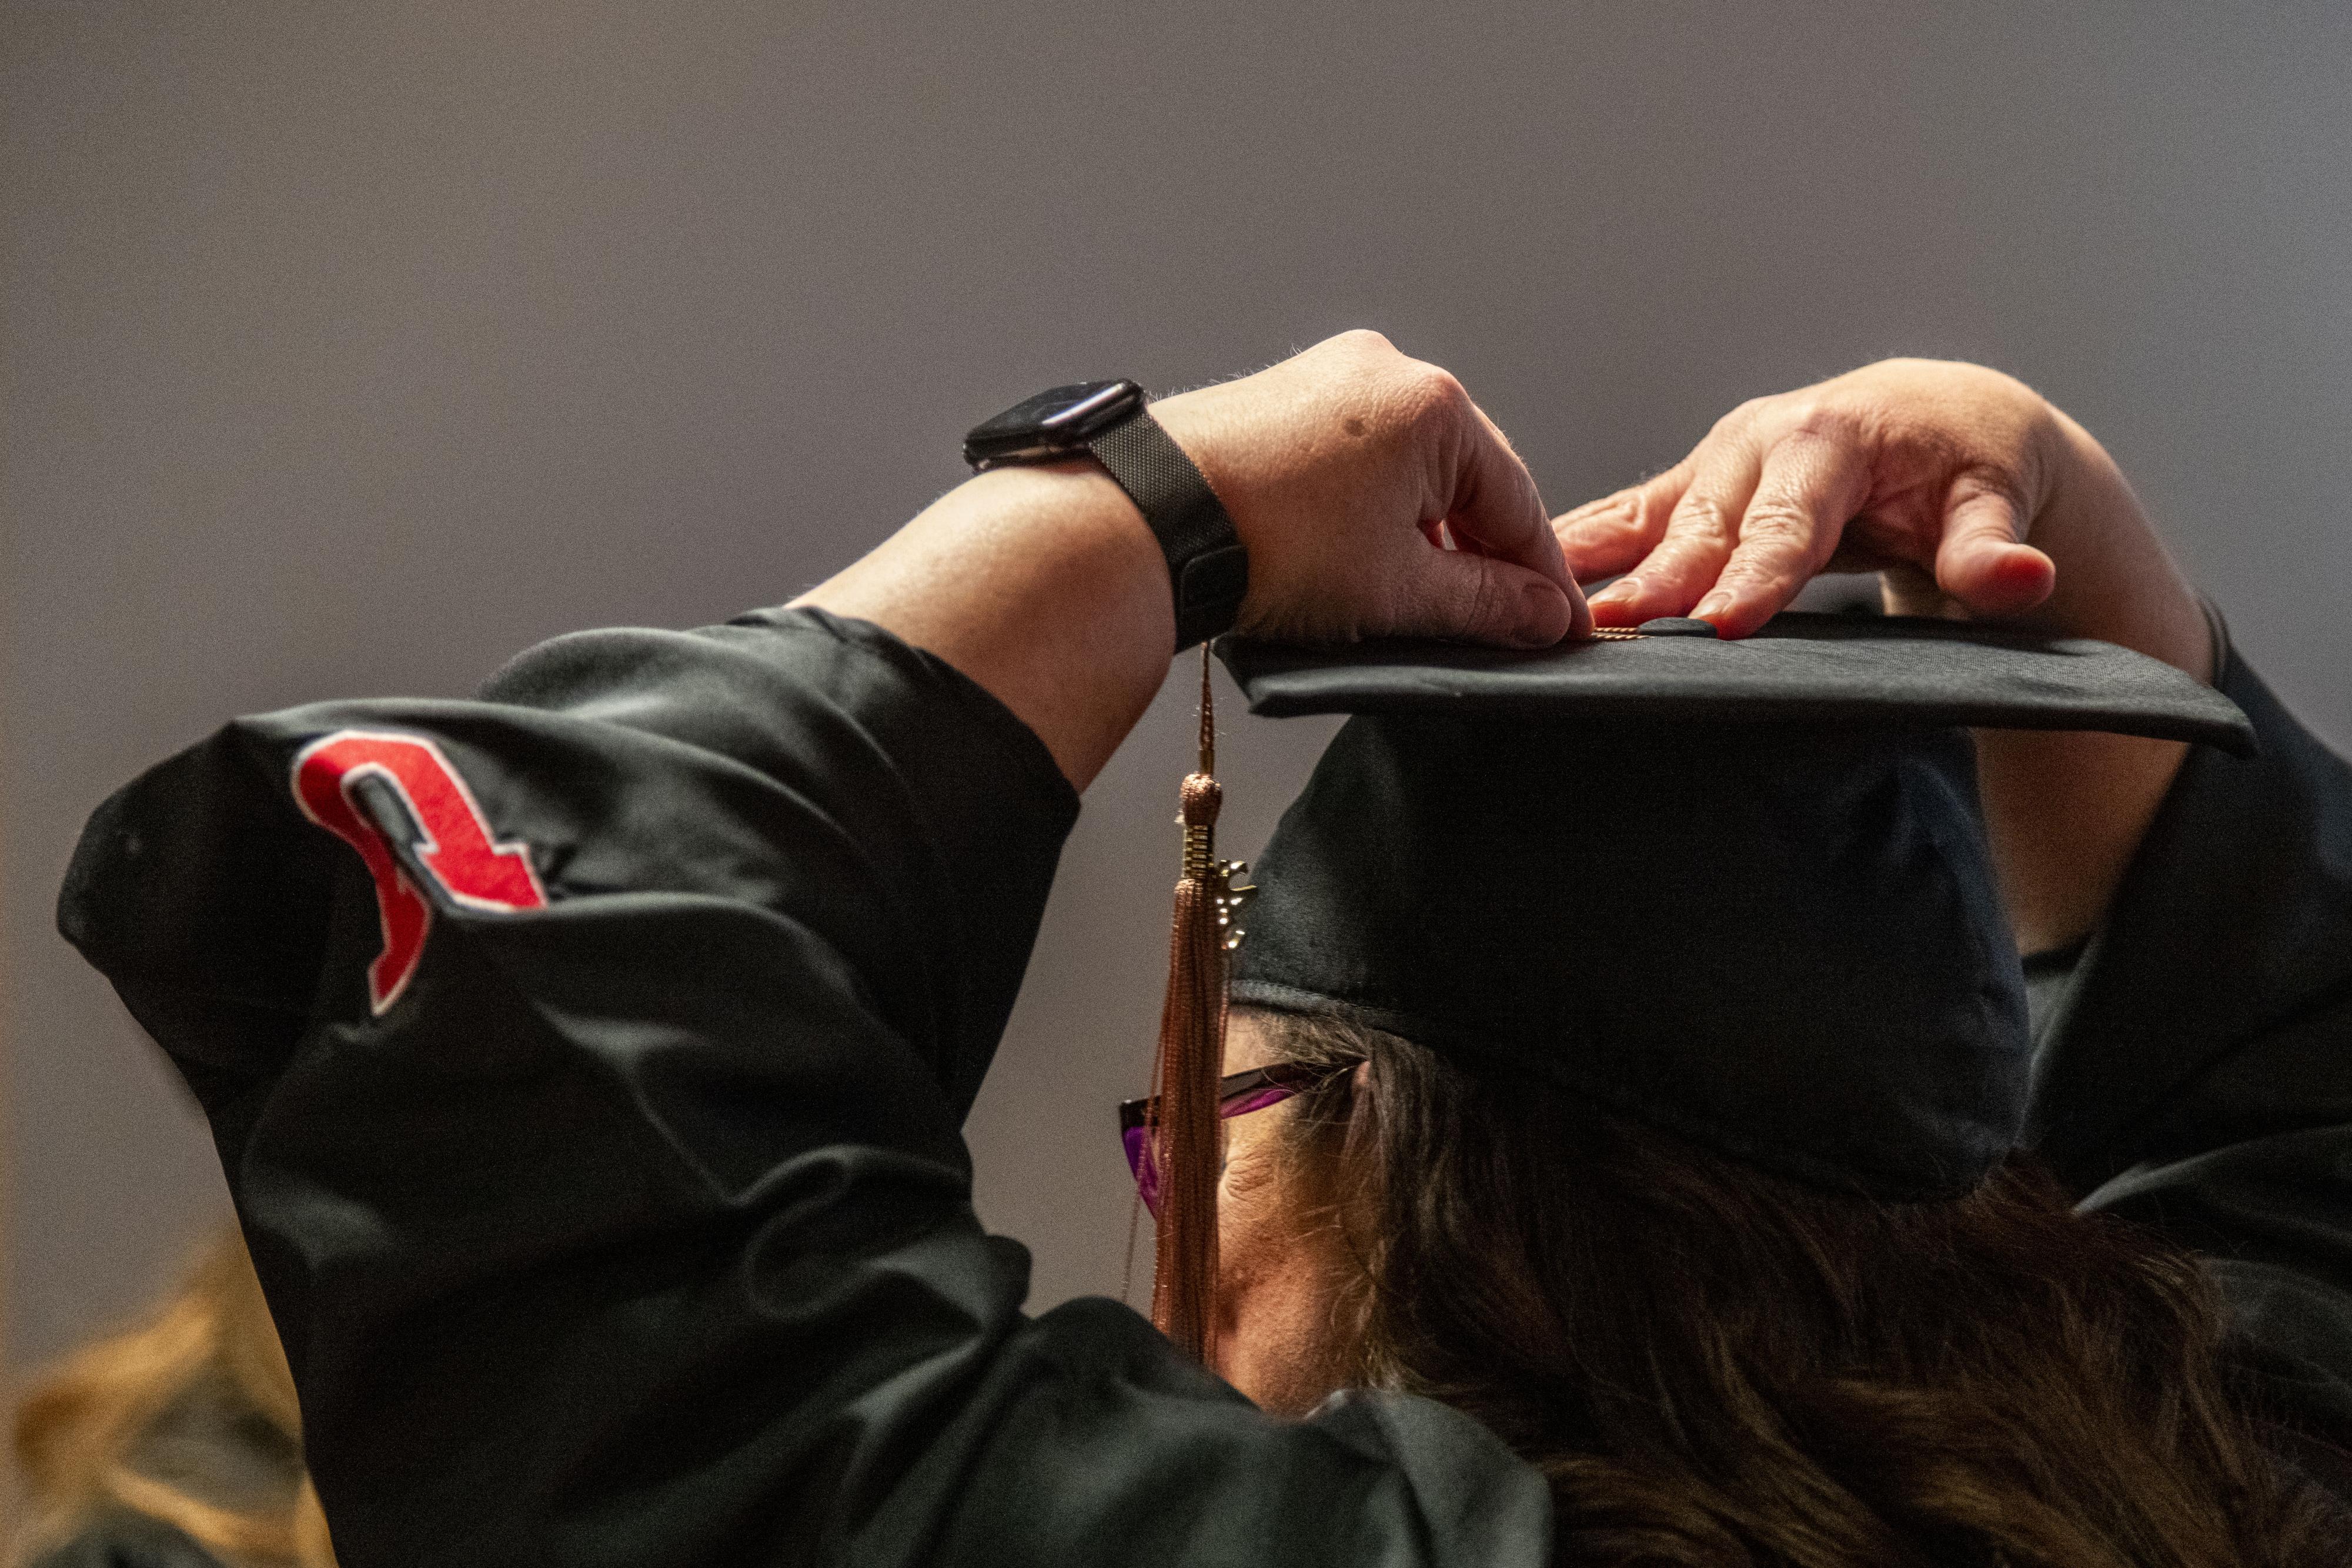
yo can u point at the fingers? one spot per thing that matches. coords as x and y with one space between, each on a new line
1700 533
1807 488
1904 467
1496 510
1457 594
1496 518
1603 538
1981 562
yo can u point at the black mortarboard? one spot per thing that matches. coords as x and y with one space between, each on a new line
1737 890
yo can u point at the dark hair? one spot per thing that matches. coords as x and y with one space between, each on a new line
1714 1365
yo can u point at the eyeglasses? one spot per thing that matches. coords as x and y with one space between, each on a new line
1238 1094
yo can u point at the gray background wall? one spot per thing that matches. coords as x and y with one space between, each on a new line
350 348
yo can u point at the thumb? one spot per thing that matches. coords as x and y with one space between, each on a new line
1480 598
1980 559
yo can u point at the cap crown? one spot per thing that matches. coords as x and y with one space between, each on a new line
1784 943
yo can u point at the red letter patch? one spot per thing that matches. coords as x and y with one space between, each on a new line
457 847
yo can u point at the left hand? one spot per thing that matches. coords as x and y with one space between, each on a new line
1938 471
1937 475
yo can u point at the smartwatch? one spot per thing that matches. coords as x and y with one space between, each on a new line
1207 568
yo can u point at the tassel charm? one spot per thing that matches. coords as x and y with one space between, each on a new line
1230 900
1185 1136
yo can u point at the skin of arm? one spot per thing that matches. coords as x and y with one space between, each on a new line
1974 497
1343 468
2067 809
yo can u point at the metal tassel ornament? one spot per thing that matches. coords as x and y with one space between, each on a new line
1184 1138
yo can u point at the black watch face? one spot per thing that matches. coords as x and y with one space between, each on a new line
1057 420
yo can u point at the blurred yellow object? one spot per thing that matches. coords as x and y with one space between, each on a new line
189 1419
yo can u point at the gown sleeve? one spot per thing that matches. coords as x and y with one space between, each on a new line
588 1062
2194 1072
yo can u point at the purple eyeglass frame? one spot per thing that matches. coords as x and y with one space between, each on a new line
1238 1094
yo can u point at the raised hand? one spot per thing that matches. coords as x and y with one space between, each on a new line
1346 469
1974 497
1940 473
1343 467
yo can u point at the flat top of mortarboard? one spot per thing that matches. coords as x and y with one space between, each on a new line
1865 671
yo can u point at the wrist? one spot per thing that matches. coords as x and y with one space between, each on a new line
1192 420
1260 469
1208 570
2065 811
1202 422
2115 580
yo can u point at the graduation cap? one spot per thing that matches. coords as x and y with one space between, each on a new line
1737 891
1889 673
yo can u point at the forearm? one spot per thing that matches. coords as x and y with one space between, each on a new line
1044 586
2066 811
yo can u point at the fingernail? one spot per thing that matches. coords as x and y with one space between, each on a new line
1619 591
1712 605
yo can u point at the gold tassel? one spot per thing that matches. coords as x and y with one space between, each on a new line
1185 1135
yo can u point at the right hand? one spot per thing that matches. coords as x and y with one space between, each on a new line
1346 468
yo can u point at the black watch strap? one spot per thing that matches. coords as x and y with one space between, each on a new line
1207 568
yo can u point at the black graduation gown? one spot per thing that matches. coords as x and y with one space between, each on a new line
636 1227
2193 1068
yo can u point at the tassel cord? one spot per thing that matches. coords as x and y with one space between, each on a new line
1185 1134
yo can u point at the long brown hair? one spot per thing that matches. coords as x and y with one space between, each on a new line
1715 1366
79 1432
